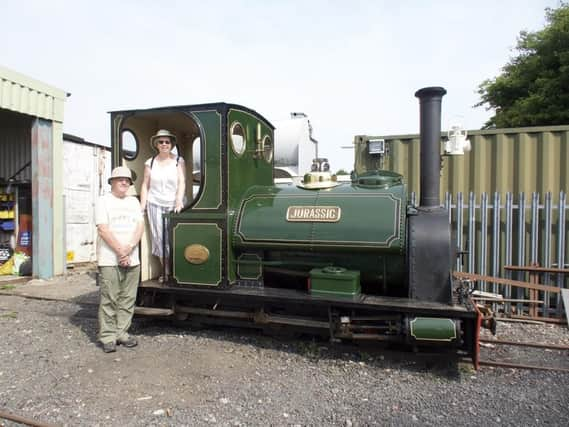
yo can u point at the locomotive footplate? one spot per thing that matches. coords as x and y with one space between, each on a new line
278 295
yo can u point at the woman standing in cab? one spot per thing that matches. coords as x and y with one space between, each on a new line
163 189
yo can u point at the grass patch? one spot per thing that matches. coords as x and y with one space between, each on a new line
311 349
7 287
466 368
9 315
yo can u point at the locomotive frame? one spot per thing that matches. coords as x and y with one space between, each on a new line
241 254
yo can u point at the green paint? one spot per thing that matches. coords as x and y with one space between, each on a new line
334 281
369 219
210 122
205 234
243 171
433 329
249 266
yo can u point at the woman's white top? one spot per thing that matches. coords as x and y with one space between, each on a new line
163 182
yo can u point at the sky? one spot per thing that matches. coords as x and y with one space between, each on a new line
352 66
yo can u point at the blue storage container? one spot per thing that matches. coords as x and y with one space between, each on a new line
7 225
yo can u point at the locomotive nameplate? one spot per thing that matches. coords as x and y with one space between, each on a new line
196 254
313 213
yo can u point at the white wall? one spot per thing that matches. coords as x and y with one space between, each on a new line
86 170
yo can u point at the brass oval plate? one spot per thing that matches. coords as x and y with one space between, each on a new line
196 254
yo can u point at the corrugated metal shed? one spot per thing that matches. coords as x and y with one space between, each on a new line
513 160
31 128
15 147
28 96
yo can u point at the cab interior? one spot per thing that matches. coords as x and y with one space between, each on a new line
135 132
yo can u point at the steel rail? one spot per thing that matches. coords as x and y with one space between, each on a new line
23 420
526 344
521 366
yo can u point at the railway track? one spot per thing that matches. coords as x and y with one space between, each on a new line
490 357
22 420
514 364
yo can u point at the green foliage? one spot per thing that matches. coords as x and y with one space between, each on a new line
533 89
342 172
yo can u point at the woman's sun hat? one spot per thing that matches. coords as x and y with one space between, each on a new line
162 133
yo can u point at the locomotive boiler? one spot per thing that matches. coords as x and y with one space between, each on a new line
352 260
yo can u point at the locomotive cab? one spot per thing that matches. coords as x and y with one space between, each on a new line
133 131
226 149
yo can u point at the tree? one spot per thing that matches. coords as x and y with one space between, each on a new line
533 89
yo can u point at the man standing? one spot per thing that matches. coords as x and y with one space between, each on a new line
119 225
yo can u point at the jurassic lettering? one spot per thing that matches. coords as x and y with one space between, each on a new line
313 213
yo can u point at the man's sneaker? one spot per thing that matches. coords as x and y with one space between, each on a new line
129 342
109 347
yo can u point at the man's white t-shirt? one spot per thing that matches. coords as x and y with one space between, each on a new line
122 217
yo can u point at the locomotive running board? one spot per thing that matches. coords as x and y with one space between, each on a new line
293 297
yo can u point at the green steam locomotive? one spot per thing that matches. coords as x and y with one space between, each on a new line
351 260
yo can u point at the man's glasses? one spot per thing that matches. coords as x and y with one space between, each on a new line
163 142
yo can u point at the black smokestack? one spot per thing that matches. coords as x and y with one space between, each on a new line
430 102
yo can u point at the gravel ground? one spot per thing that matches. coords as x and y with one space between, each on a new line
53 371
